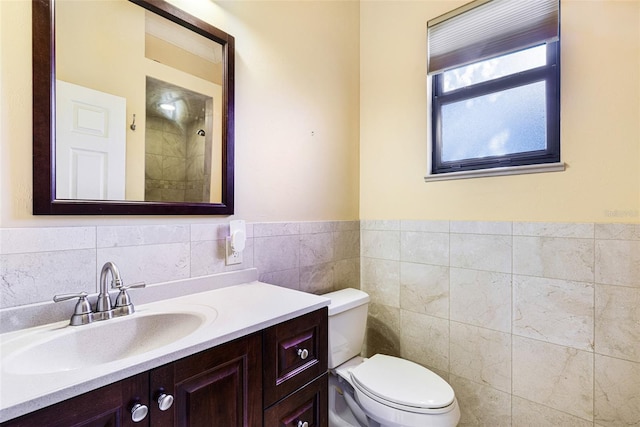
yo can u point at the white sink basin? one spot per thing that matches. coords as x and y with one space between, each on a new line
78 347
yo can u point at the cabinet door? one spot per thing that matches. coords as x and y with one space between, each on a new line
307 405
218 387
109 406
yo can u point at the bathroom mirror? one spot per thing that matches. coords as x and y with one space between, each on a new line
163 93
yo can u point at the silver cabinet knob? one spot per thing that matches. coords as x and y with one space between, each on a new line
139 412
303 353
303 424
164 401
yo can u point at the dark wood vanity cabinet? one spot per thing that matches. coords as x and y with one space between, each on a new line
221 386
273 378
104 407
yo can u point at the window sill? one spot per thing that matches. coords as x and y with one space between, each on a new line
510 170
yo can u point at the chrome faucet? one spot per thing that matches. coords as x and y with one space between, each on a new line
104 310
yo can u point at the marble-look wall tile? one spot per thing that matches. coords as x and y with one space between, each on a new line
153 166
317 279
618 322
114 236
617 395
346 244
201 232
425 226
554 229
618 262
385 225
148 263
424 289
25 240
316 248
481 298
383 331
269 229
276 253
530 414
481 355
174 145
425 248
554 257
617 231
481 252
346 273
556 376
381 280
209 257
481 227
481 405
552 310
317 227
285 278
380 244
173 168
35 277
425 339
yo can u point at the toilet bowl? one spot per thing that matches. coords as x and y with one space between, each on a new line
381 391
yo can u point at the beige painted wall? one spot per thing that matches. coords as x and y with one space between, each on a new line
600 116
297 94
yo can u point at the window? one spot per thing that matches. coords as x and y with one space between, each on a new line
495 97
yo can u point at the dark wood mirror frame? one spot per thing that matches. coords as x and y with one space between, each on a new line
44 119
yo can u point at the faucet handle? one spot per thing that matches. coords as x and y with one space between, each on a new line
123 305
134 285
82 313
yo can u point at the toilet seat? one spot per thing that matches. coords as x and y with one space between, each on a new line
402 384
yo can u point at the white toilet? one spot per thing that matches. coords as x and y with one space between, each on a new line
381 391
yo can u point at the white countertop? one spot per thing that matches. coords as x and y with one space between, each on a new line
233 312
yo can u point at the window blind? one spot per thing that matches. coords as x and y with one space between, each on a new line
486 28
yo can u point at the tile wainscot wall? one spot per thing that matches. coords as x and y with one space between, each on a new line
533 324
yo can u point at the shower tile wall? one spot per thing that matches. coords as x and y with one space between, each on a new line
533 324
165 161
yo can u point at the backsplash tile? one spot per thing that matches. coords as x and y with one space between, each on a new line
29 278
28 240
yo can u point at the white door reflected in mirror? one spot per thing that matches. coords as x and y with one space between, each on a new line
91 143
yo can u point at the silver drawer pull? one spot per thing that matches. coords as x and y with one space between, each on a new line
139 412
303 424
303 353
165 401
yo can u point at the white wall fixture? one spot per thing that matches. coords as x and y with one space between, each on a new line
236 242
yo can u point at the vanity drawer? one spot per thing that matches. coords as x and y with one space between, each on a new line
295 353
307 405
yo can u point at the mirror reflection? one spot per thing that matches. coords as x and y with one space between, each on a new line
138 112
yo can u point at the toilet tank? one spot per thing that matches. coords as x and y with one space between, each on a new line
347 323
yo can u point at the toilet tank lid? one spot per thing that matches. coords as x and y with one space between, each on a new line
346 299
